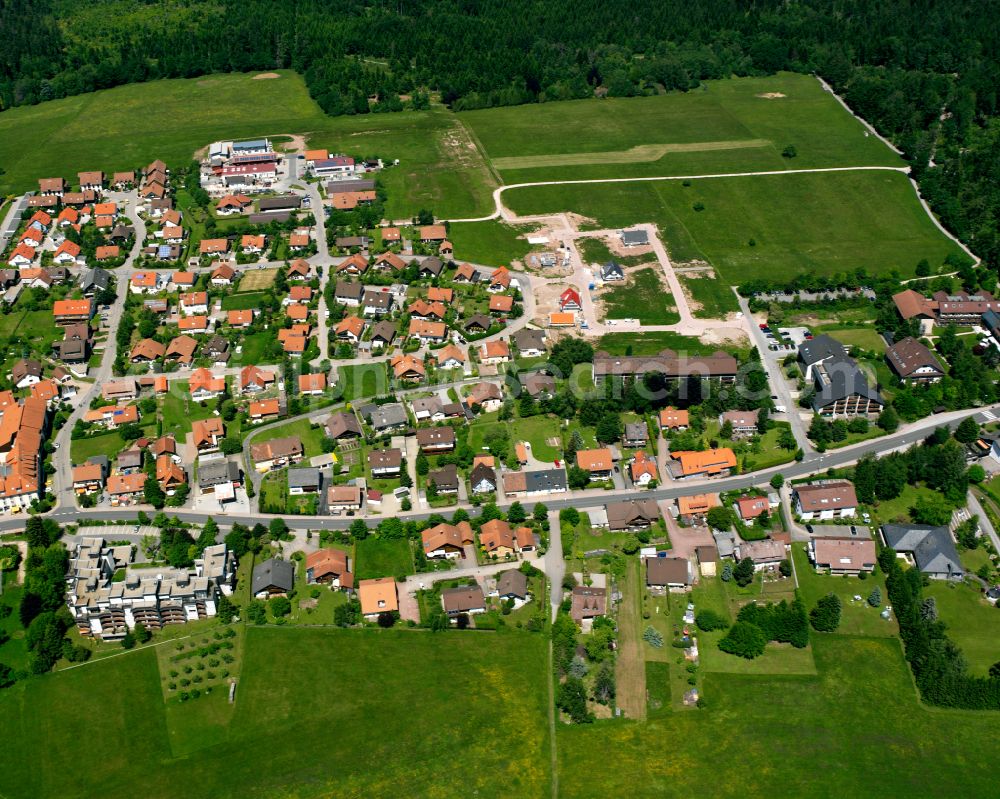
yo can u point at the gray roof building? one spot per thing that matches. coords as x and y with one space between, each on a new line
512 584
305 479
273 576
388 416
635 238
216 472
94 280
930 548
283 203
545 480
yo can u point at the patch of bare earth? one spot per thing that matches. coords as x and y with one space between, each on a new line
266 76
724 335
547 299
579 222
770 96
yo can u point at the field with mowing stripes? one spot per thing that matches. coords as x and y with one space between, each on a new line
738 125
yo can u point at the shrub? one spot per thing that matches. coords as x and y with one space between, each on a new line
744 572
709 620
745 640
825 617
875 597
653 637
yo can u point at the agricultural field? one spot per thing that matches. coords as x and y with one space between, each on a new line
791 728
358 705
129 126
440 169
737 125
771 227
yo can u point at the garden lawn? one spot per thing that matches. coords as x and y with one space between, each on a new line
726 599
289 715
856 618
109 444
722 126
973 623
898 509
799 223
243 302
381 557
361 380
641 296
178 411
489 243
864 337
857 722
311 437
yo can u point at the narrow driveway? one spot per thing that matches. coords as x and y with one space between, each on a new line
779 385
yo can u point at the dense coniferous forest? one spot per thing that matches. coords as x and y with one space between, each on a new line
925 73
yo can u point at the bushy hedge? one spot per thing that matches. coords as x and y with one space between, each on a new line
785 622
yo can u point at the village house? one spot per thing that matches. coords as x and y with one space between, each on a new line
377 596
766 554
447 540
587 602
744 423
432 440
633 514
276 453
843 555
668 574
272 577
463 599
344 499
829 499
329 567
598 463
709 462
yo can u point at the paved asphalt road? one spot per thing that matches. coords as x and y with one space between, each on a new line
582 500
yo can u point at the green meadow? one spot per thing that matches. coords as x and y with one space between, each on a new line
773 226
127 127
317 713
737 125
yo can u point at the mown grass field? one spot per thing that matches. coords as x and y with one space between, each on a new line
490 243
812 222
351 727
440 168
129 126
723 126
378 557
854 729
